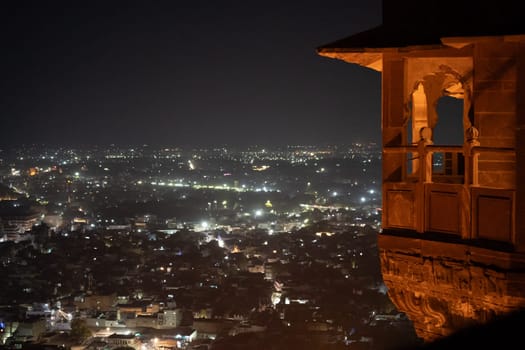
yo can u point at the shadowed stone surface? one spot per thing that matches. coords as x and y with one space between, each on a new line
445 287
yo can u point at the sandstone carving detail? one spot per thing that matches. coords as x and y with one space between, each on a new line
443 294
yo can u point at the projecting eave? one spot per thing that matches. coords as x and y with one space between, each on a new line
366 48
372 59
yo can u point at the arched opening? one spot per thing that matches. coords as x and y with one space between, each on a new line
449 128
449 131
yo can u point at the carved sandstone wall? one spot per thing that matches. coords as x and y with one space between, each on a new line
443 287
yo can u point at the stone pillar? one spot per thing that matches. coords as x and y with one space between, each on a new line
393 116
520 151
494 101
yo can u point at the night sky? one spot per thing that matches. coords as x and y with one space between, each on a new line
198 73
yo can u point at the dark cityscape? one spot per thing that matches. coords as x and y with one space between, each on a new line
273 175
239 248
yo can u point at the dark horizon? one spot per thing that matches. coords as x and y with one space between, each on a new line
186 146
198 74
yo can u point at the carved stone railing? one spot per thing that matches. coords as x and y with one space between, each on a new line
421 161
458 201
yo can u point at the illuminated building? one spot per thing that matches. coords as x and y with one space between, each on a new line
15 221
453 239
7 194
123 340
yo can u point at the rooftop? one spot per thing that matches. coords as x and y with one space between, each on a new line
414 23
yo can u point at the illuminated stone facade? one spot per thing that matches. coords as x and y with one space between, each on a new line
453 240
444 287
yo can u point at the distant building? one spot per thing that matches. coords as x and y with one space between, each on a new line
185 334
16 220
96 302
53 221
137 307
211 328
7 194
30 329
165 319
117 340
169 318
38 310
103 321
97 345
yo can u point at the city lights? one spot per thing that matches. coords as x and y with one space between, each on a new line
168 229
